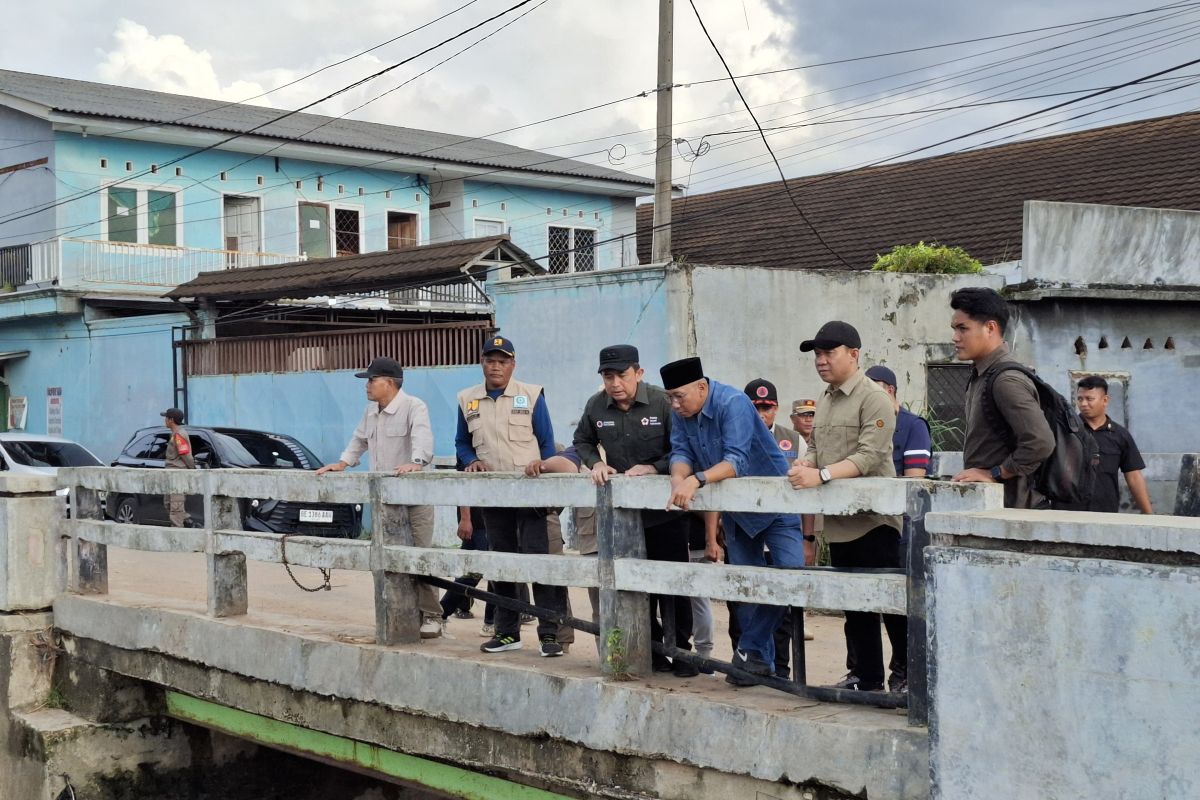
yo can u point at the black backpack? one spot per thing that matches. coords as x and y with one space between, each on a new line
1067 475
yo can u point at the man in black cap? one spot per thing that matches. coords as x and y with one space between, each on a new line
503 425
396 432
716 434
765 398
912 444
852 437
625 429
179 456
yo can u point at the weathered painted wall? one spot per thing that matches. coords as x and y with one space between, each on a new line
749 323
1090 244
1062 677
1045 336
25 139
115 374
322 408
559 323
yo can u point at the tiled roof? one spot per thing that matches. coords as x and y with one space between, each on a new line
388 269
973 200
139 105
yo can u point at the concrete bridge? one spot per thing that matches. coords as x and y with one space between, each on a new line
1051 654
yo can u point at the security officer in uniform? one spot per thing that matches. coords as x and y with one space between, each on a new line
503 424
763 395
631 421
179 456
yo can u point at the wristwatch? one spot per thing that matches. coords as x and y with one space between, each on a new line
825 476
700 478
420 461
996 475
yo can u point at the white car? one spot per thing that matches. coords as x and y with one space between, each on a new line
41 454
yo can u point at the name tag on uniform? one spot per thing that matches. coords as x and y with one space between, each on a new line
605 423
651 421
472 415
520 401
521 411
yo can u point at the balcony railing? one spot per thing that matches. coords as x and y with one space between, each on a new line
90 263
413 345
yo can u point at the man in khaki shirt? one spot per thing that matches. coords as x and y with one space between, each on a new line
396 433
852 437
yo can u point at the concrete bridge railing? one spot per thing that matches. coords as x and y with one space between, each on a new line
621 573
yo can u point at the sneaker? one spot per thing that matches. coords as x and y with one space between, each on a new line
462 613
706 670
498 644
431 628
550 648
855 684
898 682
528 619
684 669
661 664
750 663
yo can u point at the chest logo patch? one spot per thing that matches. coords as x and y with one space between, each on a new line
473 406
606 423
520 401
785 445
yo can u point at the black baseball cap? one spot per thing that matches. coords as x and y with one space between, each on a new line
498 344
881 373
382 367
619 357
832 334
173 414
762 392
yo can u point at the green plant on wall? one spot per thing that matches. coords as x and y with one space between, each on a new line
928 258
947 434
614 654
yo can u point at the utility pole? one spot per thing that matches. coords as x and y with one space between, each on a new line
660 249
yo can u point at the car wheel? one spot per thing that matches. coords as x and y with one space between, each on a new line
127 511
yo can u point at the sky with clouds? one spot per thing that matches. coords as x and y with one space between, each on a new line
558 56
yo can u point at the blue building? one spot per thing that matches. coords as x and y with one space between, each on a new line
110 197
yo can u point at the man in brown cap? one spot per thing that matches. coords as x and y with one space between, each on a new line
803 412
178 456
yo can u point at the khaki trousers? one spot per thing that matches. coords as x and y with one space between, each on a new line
421 519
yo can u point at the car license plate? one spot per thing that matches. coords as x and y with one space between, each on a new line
316 515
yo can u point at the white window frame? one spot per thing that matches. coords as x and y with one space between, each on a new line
262 218
143 198
571 253
475 229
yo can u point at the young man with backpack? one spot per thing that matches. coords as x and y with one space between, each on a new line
1008 437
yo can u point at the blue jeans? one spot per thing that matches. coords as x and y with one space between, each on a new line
786 542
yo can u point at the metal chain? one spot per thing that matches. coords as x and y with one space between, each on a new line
326 586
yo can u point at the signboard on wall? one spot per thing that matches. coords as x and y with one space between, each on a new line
17 408
54 411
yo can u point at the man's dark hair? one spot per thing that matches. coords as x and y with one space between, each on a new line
1093 382
982 305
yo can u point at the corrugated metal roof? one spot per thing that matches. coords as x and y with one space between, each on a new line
388 269
140 105
974 200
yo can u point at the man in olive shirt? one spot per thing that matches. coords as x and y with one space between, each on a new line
991 455
631 420
852 437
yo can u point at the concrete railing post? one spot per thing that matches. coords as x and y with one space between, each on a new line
227 591
32 550
397 609
89 574
624 616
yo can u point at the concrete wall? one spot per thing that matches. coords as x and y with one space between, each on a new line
1045 336
1090 244
322 408
559 323
115 374
25 138
1063 656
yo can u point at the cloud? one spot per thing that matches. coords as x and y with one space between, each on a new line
166 63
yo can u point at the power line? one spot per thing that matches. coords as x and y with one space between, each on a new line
766 143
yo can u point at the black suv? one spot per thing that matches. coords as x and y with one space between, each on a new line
233 448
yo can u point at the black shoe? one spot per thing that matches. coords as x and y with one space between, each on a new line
662 664
898 682
856 684
784 674
750 663
499 644
684 669
551 648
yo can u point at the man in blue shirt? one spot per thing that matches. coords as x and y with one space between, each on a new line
912 445
716 434
503 424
